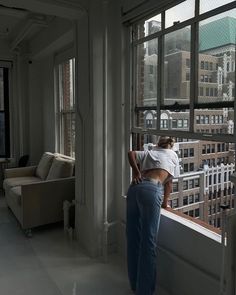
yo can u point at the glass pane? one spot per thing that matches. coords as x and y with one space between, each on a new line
147 27
146 79
66 87
69 133
2 133
206 5
179 121
175 14
177 67
1 90
204 183
217 58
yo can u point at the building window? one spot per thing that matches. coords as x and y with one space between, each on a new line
185 167
202 65
185 185
151 71
190 199
4 113
187 76
175 187
175 203
191 213
191 152
174 123
197 197
196 212
185 200
66 102
191 167
187 62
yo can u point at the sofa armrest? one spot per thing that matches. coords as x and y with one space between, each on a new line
20 172
42 202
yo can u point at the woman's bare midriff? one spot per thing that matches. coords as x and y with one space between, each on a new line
157 174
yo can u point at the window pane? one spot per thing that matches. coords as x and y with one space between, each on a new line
175 14
177 67
2 133
217 58
69 133
66 70
67 107
1 90
147 27
206 5
146 89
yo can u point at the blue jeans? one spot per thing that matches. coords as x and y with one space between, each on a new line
142 224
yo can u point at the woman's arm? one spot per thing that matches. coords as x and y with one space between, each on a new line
167 191
136 177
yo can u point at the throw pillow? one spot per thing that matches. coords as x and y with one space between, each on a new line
44 165
60 168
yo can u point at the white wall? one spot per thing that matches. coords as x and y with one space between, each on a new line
189 260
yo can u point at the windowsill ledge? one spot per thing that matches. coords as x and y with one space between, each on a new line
195 224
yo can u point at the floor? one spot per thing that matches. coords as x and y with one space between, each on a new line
50 264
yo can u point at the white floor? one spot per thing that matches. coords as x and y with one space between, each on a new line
50 264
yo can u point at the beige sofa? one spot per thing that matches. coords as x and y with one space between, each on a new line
35 194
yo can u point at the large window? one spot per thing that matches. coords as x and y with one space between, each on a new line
191 51
65 78
4 112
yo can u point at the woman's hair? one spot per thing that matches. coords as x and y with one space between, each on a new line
164 141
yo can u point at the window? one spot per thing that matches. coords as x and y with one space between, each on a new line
65 75
175 187
187 62
197 198
190 114
185 200
175 203
4 112
191 152
187 76
190 199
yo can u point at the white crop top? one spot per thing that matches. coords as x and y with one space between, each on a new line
160 158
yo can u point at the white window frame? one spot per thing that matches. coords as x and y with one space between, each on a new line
59 59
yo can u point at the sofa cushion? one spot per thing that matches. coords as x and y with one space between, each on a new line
16 181
44 165
61 168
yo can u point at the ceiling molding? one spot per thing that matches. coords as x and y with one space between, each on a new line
62 8
12 12
30 27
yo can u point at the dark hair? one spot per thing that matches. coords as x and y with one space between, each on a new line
164 141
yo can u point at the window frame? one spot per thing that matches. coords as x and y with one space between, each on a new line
191 134
6 66
59 59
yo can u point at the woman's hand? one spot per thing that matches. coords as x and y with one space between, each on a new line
165 205
137 177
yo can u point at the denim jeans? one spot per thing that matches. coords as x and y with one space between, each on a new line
143 218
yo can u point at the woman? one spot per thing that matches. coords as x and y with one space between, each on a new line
152 171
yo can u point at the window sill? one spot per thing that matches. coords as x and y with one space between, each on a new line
195 224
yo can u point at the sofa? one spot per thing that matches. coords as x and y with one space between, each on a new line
35 194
